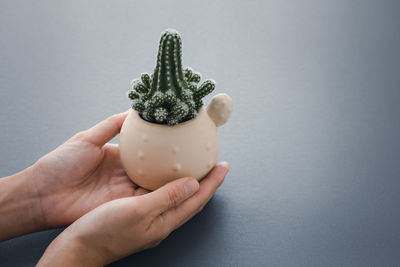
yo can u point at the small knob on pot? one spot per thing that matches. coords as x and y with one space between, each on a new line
220 108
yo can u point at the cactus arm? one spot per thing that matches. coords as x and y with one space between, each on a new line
133 95
188 72
146 80
195 78
138 105
205 88
139 87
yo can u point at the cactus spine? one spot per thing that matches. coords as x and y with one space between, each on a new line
170 95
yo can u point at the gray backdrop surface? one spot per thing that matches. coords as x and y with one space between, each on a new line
313 141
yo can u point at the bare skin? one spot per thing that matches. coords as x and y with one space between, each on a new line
128 225
82 174
85 176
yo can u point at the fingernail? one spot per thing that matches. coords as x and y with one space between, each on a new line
224 164
191 187
223 170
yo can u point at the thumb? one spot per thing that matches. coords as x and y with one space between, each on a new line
105 130
171 194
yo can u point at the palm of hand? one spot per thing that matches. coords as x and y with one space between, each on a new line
79 176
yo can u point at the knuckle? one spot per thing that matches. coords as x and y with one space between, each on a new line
164 234
164 229
136 209
113 118
200 209
155 243
151 244
80 135
173 197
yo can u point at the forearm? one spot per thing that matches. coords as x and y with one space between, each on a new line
20 211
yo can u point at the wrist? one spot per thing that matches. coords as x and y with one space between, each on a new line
70 250
20 208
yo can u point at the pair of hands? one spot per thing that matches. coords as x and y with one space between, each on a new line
83 182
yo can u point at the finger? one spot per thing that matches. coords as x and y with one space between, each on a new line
170 195
113 149
140 191
105 130
174 218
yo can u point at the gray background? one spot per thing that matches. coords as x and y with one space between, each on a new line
313 141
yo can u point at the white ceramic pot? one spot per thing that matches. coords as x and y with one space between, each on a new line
154 154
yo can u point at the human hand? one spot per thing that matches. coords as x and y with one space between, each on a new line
82 174
128 225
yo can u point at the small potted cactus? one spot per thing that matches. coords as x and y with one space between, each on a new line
169 133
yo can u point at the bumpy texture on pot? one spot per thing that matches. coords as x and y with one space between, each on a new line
170 95
168 133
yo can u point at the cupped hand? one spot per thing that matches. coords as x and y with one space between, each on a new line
127 225
82 174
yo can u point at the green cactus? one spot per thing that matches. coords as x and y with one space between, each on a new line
170 95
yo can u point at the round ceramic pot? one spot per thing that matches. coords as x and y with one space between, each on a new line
154 154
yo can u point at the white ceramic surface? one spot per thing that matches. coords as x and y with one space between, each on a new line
154 154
